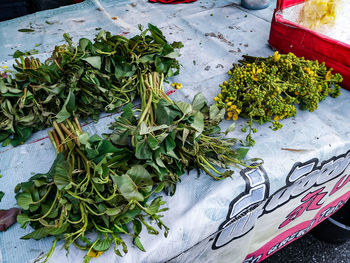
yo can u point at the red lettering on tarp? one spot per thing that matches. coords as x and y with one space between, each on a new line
311 201
340 184
295 232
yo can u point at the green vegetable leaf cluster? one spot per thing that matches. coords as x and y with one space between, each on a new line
89 188
108 185
170 138
82 79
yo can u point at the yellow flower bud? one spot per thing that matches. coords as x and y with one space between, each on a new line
216 99
229 103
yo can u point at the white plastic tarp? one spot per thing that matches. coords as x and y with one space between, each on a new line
305 175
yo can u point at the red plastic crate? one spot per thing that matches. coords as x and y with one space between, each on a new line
286 36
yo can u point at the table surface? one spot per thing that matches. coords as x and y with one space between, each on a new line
215 34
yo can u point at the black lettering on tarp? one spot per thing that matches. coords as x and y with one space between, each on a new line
243 210
253 259
255 202
304 176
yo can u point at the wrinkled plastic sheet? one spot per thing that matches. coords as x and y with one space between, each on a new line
215 34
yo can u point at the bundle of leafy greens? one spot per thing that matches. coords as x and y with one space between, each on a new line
103 185
171 137
81 79
88 189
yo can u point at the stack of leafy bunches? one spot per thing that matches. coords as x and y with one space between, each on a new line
82 80
267 89
103 185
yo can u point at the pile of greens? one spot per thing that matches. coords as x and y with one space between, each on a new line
88 189
173 137
103 185
81 80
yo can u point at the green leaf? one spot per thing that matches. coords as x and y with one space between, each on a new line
46 231
199 101
135 180
63 173
143 151
156 203
163 64
22 134
157 34
94 61
185 134
4 135
84 138
1 195
137 226
241 153
186 108
141 178
128 113
106 146
67 109
18 54
83 43
146 130
230 128
216 114
173 55
113 211
138 243
23 220
152 142
124 69
166 113
198 122
120 136
24 200
26 30
159 188
127 187
103 245
147 58
169 144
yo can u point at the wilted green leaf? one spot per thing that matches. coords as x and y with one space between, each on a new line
1 195
166 113
67 109
94 61
63 173
198 102
26 30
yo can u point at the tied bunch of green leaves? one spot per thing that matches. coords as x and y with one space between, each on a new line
89 188
105 184
267 89
81 79
169 138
